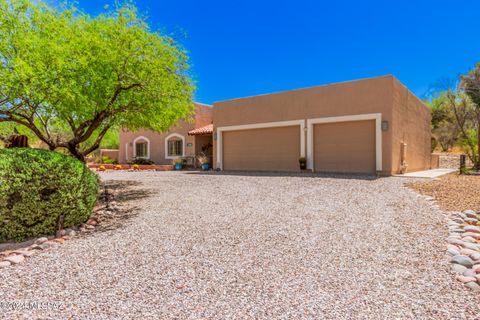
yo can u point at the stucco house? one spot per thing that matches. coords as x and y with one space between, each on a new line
187 139
369 126
372 126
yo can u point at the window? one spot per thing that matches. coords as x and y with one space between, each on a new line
175 147
141 149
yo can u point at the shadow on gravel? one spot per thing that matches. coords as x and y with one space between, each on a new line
126 191
286 174
125 194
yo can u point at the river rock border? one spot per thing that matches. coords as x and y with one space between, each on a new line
106 208
464 247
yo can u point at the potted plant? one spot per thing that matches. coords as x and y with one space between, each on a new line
178 163
204 162
303 163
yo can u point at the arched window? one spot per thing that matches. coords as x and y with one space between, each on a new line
174 146
141 148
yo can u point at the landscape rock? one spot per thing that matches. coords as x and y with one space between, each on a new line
456 230
26 253
455 241
458 268
466 279
4 264
473 285
471 234
92 222
467 252
475 256
471 220
469 239
17 258
474 229
70 232
463 260
470 213
46 245
469 273
453 252
472 246
41 240
476 268
458 220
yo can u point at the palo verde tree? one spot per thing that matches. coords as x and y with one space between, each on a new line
470 84
70 78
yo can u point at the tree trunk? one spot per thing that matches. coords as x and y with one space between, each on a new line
73 148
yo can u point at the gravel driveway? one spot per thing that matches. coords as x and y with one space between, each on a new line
266 247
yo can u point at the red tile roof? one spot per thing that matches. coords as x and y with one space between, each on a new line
201 131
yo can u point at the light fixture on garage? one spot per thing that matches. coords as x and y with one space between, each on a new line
215 136
384 125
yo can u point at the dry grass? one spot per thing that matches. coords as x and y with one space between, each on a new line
453 192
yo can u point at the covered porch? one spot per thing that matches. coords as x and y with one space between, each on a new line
203 143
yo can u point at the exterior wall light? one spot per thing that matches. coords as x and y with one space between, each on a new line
384 125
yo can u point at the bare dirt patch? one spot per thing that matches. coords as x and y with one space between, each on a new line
453 192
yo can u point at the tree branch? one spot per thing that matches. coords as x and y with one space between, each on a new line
96 144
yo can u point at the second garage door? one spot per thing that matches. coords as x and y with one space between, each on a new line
269 149
345 147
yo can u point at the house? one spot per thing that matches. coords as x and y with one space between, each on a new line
370 126
186 139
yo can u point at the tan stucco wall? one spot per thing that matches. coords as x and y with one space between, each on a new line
407 117
203 116
411 125
341 99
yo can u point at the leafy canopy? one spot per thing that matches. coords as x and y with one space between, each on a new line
69 78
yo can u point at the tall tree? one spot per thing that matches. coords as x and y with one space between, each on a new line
444 127
470 84
70 78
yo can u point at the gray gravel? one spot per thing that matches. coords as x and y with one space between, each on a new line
239 246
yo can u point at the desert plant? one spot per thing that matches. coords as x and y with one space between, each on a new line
136 167
202 158
177 161
39 188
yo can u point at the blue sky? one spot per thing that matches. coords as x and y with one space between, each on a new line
244 48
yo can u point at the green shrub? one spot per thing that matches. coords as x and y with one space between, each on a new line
107 160
37 187
142 161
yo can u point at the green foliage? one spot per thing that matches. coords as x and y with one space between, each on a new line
111 140
37 187
70 78
107 160
444 128
470 84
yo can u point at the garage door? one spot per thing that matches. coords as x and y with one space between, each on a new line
345 147
269 149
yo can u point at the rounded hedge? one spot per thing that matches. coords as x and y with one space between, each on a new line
37 187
